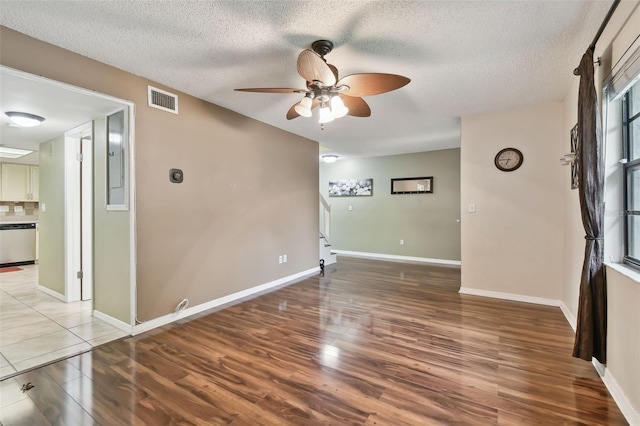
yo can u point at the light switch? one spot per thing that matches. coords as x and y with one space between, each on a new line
472 208
350 208
43 207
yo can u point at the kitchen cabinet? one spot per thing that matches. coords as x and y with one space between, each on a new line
20 182
35 182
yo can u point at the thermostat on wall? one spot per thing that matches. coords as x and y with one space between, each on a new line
176 175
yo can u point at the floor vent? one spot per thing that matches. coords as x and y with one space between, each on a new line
162 100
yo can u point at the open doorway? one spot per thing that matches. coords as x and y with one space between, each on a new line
68 305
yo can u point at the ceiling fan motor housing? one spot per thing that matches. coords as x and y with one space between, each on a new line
322 47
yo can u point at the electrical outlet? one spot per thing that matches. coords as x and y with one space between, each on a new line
284 257
401 242
280 259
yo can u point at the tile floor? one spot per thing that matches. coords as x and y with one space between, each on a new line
36 328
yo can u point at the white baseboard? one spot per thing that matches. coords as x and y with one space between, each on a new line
52 293
510 296
571 319
629 413
121 325
169 318
394 257
330 260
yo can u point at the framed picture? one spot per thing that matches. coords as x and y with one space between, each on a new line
575 166
415 185
351 187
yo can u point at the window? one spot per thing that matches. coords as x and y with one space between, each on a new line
631 162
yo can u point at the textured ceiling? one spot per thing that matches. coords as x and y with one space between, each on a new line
463 57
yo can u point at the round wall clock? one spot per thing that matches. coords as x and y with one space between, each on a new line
509 159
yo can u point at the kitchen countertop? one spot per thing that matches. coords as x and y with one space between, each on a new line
18 219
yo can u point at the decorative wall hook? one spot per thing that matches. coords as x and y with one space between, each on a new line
572 158
568 159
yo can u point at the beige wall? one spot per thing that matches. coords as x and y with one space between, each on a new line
513 243
623 295
428 223
249 193
51 221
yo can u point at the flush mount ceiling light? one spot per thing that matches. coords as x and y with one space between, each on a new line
335 97
330 158
13 152
24 119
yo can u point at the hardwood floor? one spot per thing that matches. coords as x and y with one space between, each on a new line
371 343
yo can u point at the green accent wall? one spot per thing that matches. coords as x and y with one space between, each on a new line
428 223
51 221
111 280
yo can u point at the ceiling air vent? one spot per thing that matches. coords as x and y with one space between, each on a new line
163 100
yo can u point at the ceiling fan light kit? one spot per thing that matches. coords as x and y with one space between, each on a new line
337 107
325 114
335 97
304 107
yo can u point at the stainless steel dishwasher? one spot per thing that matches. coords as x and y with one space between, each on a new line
17 243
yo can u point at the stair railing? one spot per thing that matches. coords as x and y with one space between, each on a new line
325 218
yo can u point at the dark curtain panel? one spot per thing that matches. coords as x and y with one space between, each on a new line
591 333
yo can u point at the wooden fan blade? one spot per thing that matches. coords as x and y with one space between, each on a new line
334 70
313 68
272 90
372 84
291 114
357 106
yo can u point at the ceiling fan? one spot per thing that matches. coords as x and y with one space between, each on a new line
335 97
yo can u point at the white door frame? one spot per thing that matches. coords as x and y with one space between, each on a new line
72 213
69 268
86 188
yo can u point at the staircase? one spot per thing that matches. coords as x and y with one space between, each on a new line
325 225
325 251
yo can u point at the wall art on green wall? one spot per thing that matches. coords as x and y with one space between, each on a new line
350 187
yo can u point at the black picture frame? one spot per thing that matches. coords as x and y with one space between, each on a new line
423 185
